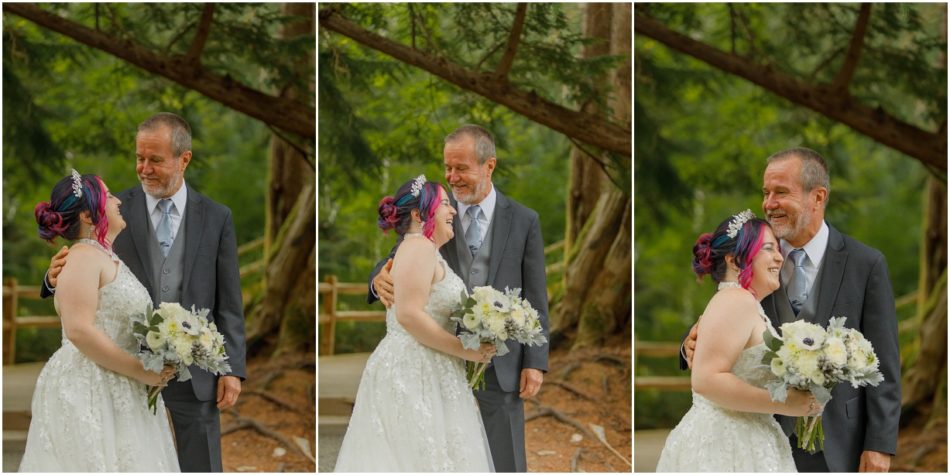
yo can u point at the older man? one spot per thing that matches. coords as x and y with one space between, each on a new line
182 248
498 243
825 274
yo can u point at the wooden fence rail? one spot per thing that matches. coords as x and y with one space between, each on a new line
659 349
12 294
330 289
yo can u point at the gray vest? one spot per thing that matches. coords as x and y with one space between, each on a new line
167 272
475 269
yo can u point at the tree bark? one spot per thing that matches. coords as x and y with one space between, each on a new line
921 386
930 148
584 127
596 297
289 247
286 114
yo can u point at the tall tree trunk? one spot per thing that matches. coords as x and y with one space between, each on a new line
922 387
596 297
288 307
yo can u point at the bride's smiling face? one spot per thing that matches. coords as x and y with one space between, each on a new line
766 265
444 217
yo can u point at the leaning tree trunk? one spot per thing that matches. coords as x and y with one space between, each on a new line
924 386
595 301
287 307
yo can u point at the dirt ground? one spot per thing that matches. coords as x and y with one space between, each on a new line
273 428
583 388
921 449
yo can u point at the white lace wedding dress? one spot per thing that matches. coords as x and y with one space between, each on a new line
414 411
89 419
711 438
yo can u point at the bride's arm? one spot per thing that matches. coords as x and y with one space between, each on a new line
413 270
724 330
77 298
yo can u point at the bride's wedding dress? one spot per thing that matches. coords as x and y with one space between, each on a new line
414 411
89 419
711 438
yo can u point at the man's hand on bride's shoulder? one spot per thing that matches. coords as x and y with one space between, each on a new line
383 284
56 264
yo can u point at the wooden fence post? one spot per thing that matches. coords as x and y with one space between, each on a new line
329 308
9 319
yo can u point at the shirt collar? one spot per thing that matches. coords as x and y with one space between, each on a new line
814 249
487 204
179 199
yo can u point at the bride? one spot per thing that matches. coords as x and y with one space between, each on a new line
89 407
414 411
730 427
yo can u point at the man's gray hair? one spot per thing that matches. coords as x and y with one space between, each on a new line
814 168
484 142
180 130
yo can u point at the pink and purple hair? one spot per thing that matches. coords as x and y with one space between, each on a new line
711 249
395 212
60 215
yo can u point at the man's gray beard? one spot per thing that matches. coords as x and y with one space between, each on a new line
471 200
159 197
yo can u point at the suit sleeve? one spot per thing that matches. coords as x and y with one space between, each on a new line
229 307
683 365
46 290
880 328
370 294
536 292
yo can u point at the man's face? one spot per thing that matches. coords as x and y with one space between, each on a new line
159 170
787 206
470 181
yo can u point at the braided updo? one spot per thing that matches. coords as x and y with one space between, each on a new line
395 212
711 249
60 215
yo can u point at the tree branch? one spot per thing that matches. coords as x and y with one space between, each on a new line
201 36
589 128
286 114
843 78
513 39
875 123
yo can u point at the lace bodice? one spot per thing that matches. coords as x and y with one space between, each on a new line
118 300
444 298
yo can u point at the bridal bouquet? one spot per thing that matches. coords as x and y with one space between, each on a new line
492 316
173 335
810 358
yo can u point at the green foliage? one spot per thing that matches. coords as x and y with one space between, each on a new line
702 137
382 122
68 105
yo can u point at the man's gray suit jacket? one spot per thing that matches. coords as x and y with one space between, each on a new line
211 273
854 283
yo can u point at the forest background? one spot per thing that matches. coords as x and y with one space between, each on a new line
719 88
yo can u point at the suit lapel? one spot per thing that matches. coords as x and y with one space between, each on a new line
501 225
194 220
140 227
832 271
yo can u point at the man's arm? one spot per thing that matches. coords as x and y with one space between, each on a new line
535 291
56 264
371 295
229 307
879 324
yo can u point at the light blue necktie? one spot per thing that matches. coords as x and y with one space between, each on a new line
473 235
164 229
797 293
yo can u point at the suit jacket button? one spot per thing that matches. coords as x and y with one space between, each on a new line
164 271
165 289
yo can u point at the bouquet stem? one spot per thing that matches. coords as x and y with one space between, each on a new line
153 392
476 375
810 433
